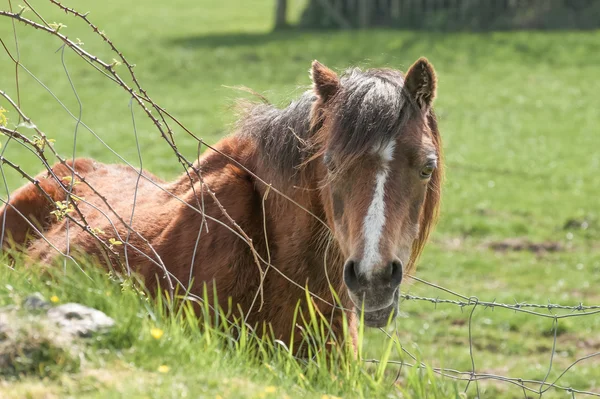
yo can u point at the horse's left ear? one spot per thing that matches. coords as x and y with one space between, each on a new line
325 82
420 83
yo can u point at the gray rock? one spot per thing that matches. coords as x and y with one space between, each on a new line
36 302
79 320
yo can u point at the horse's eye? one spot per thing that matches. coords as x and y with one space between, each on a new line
427 171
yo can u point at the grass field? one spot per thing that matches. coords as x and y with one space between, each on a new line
519 116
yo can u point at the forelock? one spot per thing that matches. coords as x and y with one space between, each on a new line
368 112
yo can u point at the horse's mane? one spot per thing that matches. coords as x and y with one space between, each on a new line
281 136
431 208
370 109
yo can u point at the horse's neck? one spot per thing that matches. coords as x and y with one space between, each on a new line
299 239
230 150
298 222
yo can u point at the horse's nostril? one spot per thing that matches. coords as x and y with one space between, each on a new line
396 272
351 275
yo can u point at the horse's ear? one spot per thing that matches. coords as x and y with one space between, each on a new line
420 83
325 81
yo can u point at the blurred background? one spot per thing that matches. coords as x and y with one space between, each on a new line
448 15
518 104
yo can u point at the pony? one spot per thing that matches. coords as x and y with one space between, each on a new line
338 191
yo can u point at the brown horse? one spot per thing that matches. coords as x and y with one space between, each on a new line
357 165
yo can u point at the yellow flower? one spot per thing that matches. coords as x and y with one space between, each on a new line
3 118
156 333
270 389
54 299
163 369
218 397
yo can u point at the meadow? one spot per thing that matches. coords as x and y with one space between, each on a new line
520 219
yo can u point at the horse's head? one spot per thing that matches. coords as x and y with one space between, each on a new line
381 153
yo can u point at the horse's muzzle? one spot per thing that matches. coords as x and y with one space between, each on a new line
380 318
376 293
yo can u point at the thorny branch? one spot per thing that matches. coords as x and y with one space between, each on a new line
40 145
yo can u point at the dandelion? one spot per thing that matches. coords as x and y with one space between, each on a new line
156 333
163 368
54 299
270 389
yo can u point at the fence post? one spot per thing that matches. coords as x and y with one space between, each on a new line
280 14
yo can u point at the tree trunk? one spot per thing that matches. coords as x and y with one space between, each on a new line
280 14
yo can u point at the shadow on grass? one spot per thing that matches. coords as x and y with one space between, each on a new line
354 46
410 39
249 38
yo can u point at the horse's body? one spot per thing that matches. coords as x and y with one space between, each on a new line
306 237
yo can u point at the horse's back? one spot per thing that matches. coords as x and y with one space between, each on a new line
201 231
100 191
28 209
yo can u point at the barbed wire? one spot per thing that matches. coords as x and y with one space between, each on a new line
465 301
43 149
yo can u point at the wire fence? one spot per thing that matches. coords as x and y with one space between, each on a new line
44 150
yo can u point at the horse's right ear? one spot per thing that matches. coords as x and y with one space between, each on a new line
325 81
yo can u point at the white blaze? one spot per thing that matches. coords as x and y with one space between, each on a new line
375 218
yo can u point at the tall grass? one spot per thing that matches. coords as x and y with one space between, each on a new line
197 342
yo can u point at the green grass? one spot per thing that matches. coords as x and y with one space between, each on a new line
189 356
519 117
